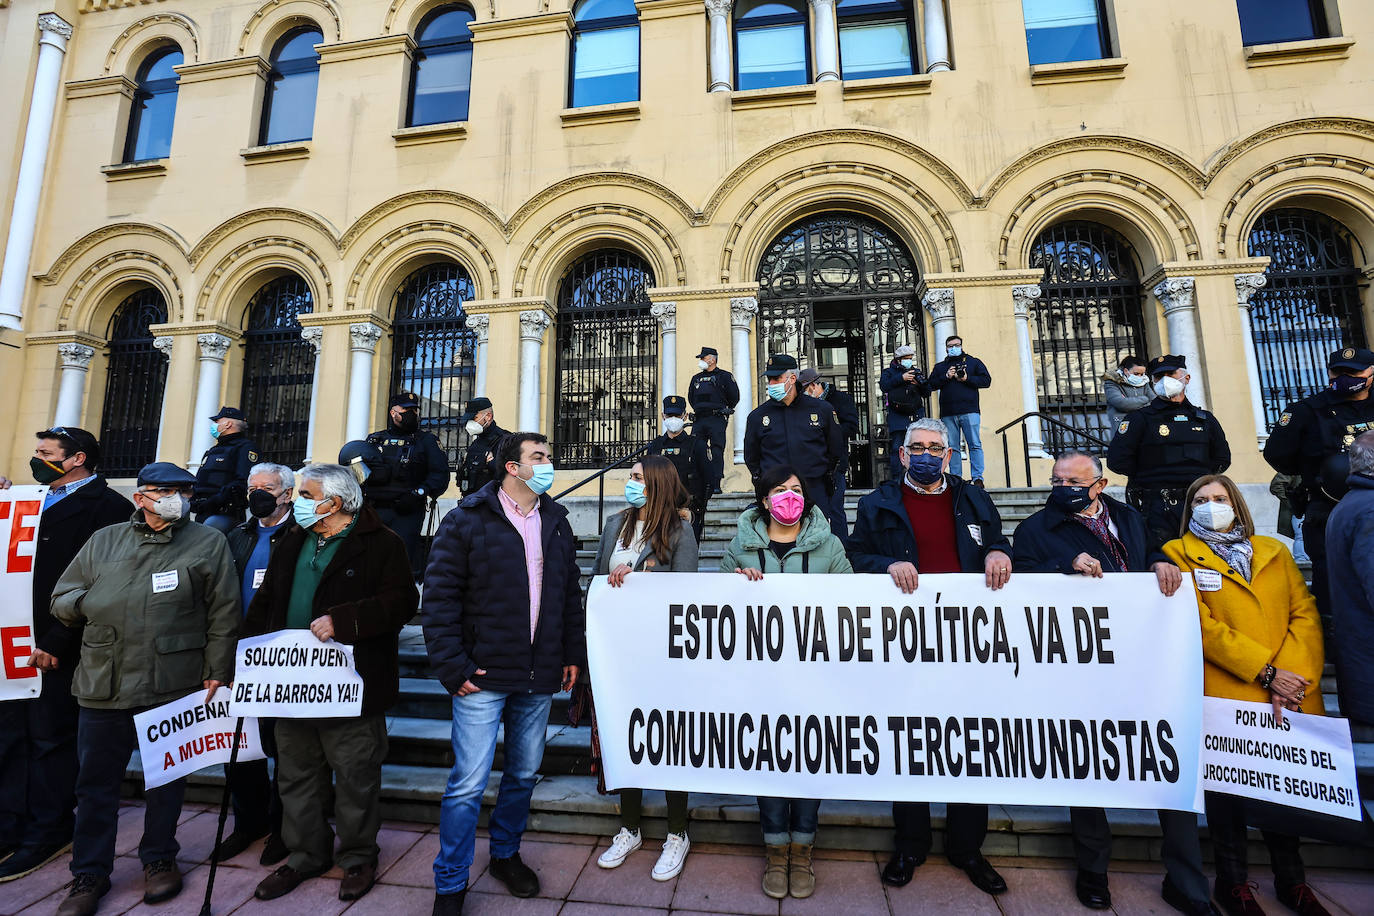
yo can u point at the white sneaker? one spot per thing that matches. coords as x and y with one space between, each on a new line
622 844
674 854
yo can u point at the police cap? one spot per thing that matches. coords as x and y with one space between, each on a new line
674 405
473 408
165 474
779 363
1356 358
405 399
708 351
1167 363
233 413
808 376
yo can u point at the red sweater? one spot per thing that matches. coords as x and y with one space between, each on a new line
932 518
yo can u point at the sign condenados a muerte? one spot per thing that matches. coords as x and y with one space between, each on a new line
1054 688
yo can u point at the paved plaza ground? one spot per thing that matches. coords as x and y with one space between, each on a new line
716 880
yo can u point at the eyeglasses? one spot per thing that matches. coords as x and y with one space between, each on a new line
1071 482
935 450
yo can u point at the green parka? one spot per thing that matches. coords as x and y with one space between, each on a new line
161 613
817 549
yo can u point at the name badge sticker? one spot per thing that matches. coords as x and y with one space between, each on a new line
1207 580
258 576
976 532
165 582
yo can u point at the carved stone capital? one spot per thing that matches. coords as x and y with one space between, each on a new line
1246 285
665 313
742 311
163 345
939 302
1175 293
364 335
313 335
533 324
1021 299
51 23
480 325
75 356
213 346
719 7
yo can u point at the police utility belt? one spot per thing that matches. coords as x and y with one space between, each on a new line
1171 495
714 412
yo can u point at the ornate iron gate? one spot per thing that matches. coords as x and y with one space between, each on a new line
607 360
134 383
433 351
839 292
1309 306
278 367
1087 318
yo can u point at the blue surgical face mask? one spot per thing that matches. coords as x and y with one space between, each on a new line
925 469
214 431
306 511
777 390
542 477
634 493
906 363
955 351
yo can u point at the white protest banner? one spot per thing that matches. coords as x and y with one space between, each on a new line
292 675
1305 762
185 735
1055 688
20 511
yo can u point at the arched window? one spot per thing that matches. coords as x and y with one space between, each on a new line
1269 21
1059 31
433 352
875 39
134 382
278 367
605 53
441 75
607 369
288 107
154 107
1087 318
838 291
1309 306
771 47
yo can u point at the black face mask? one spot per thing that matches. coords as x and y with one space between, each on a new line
1348 385
45 471
409 422
1070 499
261 503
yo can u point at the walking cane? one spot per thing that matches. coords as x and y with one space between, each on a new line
223 816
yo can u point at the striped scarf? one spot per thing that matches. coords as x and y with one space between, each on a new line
1102 530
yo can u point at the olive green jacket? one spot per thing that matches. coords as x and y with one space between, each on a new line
817 549
141 646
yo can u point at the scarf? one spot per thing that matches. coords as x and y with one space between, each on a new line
1099 527
1232 546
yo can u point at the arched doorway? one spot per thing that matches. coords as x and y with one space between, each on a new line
607 359
838 291
1309 306
1088 317
433 352
278 367
134 383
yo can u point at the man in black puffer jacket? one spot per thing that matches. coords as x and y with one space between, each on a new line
504 625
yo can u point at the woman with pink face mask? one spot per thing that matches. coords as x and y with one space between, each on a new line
785 533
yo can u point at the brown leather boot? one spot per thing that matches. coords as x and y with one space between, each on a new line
84 895
161 881
775 871
801 877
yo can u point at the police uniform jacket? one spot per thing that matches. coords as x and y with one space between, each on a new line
713 393
845 410
688 454
905 400
222 481
805 434
1168 444
1311 430
478 469
414 461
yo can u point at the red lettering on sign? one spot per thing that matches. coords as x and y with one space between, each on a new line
12 652
20 533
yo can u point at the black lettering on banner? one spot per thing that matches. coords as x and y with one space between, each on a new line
813 742
636 746
871 753
674 630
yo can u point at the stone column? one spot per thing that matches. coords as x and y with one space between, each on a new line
1022 297
481 326
827 41
533 324
936 37
1246 285
163 345
721 76
363 336
742 312
53 32
1177 295
313 335
213 348
71 393
940 304
666 314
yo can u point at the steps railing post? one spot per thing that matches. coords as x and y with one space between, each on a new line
1006 459
1025 450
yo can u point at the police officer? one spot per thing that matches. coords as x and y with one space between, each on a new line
1311 439
713 394
416 470
795 429
689 455
846 411
221 491
1163 447
906 388
480 465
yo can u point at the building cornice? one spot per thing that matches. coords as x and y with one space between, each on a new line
1000 278
222 69
381 46
543 24
681 294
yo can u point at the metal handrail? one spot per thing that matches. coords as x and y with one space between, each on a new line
600 478
1025 440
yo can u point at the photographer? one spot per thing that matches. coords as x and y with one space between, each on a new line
958 377
906 388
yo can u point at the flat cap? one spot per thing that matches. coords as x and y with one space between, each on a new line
165 474
474 407
808 376
233 413
905 350
1167 363
779 363
1356 358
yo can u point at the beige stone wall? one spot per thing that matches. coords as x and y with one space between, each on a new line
1179 144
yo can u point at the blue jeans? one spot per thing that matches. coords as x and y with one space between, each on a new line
476 718
789 820
965 424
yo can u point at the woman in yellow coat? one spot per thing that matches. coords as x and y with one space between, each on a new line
1262 642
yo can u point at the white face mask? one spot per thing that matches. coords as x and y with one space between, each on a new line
170 507
1168 387
701 364
474 428
674 424
1215 516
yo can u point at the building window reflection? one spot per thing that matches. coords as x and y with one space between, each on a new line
441 75
288 107
875 39
771 47
1060 31
605 53
154 107
1270 21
